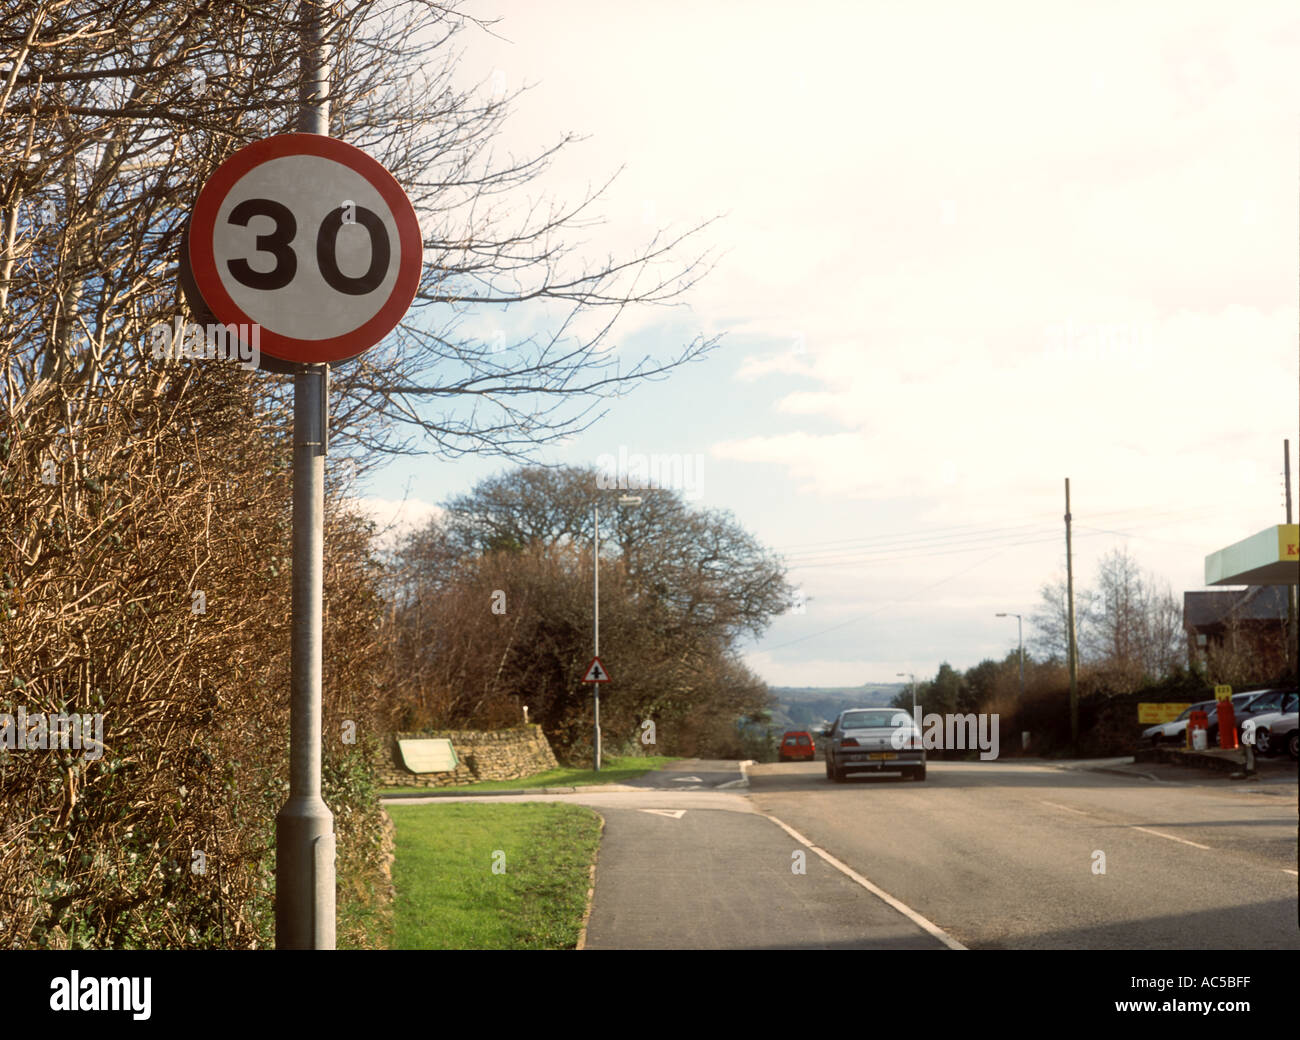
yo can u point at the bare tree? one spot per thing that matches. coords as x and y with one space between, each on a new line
1127 624
1050 639
114 115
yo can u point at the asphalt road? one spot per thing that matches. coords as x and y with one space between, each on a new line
1001 854
714 879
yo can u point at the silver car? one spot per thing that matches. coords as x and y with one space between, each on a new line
1276 733
874 740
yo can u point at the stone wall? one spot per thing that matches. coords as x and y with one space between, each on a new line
504 754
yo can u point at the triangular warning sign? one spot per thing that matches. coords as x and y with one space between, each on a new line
596 672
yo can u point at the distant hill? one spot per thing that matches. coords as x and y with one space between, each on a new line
809 707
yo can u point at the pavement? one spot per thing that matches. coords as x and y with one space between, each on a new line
1179 765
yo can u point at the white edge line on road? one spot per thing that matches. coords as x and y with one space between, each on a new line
1291 872
1171 837
1055 805
852 874
591 887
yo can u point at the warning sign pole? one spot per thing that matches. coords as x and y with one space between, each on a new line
304 828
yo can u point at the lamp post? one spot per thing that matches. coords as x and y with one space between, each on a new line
913 678
623 500
1021 638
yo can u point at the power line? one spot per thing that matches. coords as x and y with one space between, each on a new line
865 558
906 541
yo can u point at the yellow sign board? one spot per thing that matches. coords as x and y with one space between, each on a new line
1151 713
1222 693
1288 542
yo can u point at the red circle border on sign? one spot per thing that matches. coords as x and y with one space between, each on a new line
410 244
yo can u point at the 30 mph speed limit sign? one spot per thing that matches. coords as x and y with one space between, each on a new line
312 240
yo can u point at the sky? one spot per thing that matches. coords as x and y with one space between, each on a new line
966 252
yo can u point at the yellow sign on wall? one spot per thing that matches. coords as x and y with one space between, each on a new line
1152 713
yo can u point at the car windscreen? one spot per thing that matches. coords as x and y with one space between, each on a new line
880 718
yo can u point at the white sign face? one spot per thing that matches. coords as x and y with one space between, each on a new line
310 240
271 241
433 755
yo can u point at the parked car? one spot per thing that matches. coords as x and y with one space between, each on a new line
1276 733
1176 731
874 740
797 746
1248 706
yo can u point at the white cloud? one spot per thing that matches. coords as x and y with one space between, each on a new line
396 517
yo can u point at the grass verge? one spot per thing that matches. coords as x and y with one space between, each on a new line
492 877
616 770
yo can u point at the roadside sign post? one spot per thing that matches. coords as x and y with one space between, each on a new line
596 674
595 564
310 245
624 500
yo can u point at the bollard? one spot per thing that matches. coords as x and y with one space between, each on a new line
1227 724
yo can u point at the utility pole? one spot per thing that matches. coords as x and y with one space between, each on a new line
304 827
1291 648
1074 650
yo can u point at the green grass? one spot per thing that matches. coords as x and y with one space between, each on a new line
616 770
449 898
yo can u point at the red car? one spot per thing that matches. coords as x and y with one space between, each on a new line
797 746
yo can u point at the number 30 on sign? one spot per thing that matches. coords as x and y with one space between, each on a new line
311 239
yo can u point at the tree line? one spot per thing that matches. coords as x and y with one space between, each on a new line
1131 647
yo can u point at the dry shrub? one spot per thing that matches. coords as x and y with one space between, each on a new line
158 493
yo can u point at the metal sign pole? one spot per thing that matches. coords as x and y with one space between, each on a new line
304 828
595 518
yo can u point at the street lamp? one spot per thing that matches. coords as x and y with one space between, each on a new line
1021 638
623 500
913 678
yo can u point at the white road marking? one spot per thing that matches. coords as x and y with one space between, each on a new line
676 814
1171 837
1291 872
1144 830
852 874
1056 805
687 780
